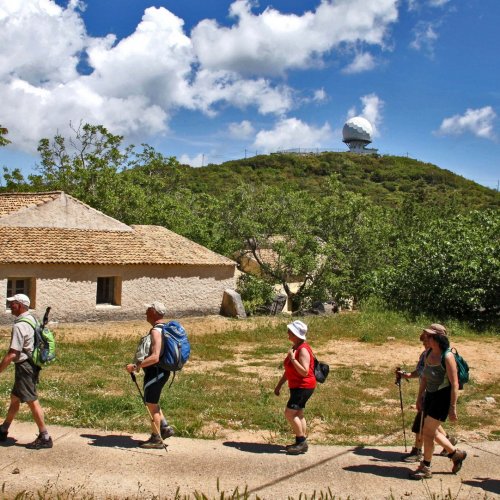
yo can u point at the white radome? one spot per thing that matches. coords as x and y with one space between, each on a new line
357 129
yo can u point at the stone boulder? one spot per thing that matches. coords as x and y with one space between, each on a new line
232 305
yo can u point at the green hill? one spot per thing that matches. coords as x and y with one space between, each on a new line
387 180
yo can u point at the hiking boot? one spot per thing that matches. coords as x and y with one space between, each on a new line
415 455
167 432
422 472
453 441
153 443
40 443
457 458
3 435
297 448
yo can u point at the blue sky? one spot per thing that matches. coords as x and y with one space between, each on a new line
210 81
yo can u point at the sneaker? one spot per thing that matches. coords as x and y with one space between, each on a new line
415 455
453 441
40 443
457 458
3 435
167 432
422 472
297 448
153 443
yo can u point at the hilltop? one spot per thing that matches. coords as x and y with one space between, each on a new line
387 180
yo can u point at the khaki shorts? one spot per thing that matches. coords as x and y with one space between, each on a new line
25 380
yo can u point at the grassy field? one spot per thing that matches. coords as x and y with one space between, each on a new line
228 383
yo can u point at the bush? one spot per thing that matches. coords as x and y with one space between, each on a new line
450 268
255 292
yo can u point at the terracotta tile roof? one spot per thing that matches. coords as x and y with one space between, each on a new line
12 202
144 245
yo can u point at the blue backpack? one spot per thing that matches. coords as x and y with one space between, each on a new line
175 349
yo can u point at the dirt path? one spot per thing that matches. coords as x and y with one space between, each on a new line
86 462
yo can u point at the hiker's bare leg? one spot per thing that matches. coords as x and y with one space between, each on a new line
294 420
37 412
14 406
300 415
429 434
155 411
419 441
442 440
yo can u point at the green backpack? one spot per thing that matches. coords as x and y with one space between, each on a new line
462 367
44 348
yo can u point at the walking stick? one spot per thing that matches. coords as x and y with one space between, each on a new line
398 383
133 377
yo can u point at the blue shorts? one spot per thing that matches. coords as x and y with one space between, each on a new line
154 380
299 398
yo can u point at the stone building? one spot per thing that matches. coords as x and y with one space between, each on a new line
88 266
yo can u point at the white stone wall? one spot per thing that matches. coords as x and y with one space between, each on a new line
71 290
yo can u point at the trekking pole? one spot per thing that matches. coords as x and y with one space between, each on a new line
421 427
133 377
398 383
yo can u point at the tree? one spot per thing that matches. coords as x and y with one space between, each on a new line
324 242
3 140
451 268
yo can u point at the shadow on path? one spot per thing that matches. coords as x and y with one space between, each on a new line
486 483
379 455
256 447
9 442
380 470
112 441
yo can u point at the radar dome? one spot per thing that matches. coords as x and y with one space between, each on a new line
357 129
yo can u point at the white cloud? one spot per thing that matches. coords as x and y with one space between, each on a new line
291 133
131 86
424 37
241 130
275 42
372 111
478 122
211 87
418 4
320 95
361 62
194 161
438 3
40 41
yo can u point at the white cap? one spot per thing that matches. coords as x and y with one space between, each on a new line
21 298
159 307
299 329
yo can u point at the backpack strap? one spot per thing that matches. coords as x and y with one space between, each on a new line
33 325
443 355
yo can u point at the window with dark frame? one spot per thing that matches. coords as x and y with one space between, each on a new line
18 285
106 291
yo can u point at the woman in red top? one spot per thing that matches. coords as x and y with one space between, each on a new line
299 372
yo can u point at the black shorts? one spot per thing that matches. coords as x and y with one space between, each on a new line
154 380
437 404
299 398
25 380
